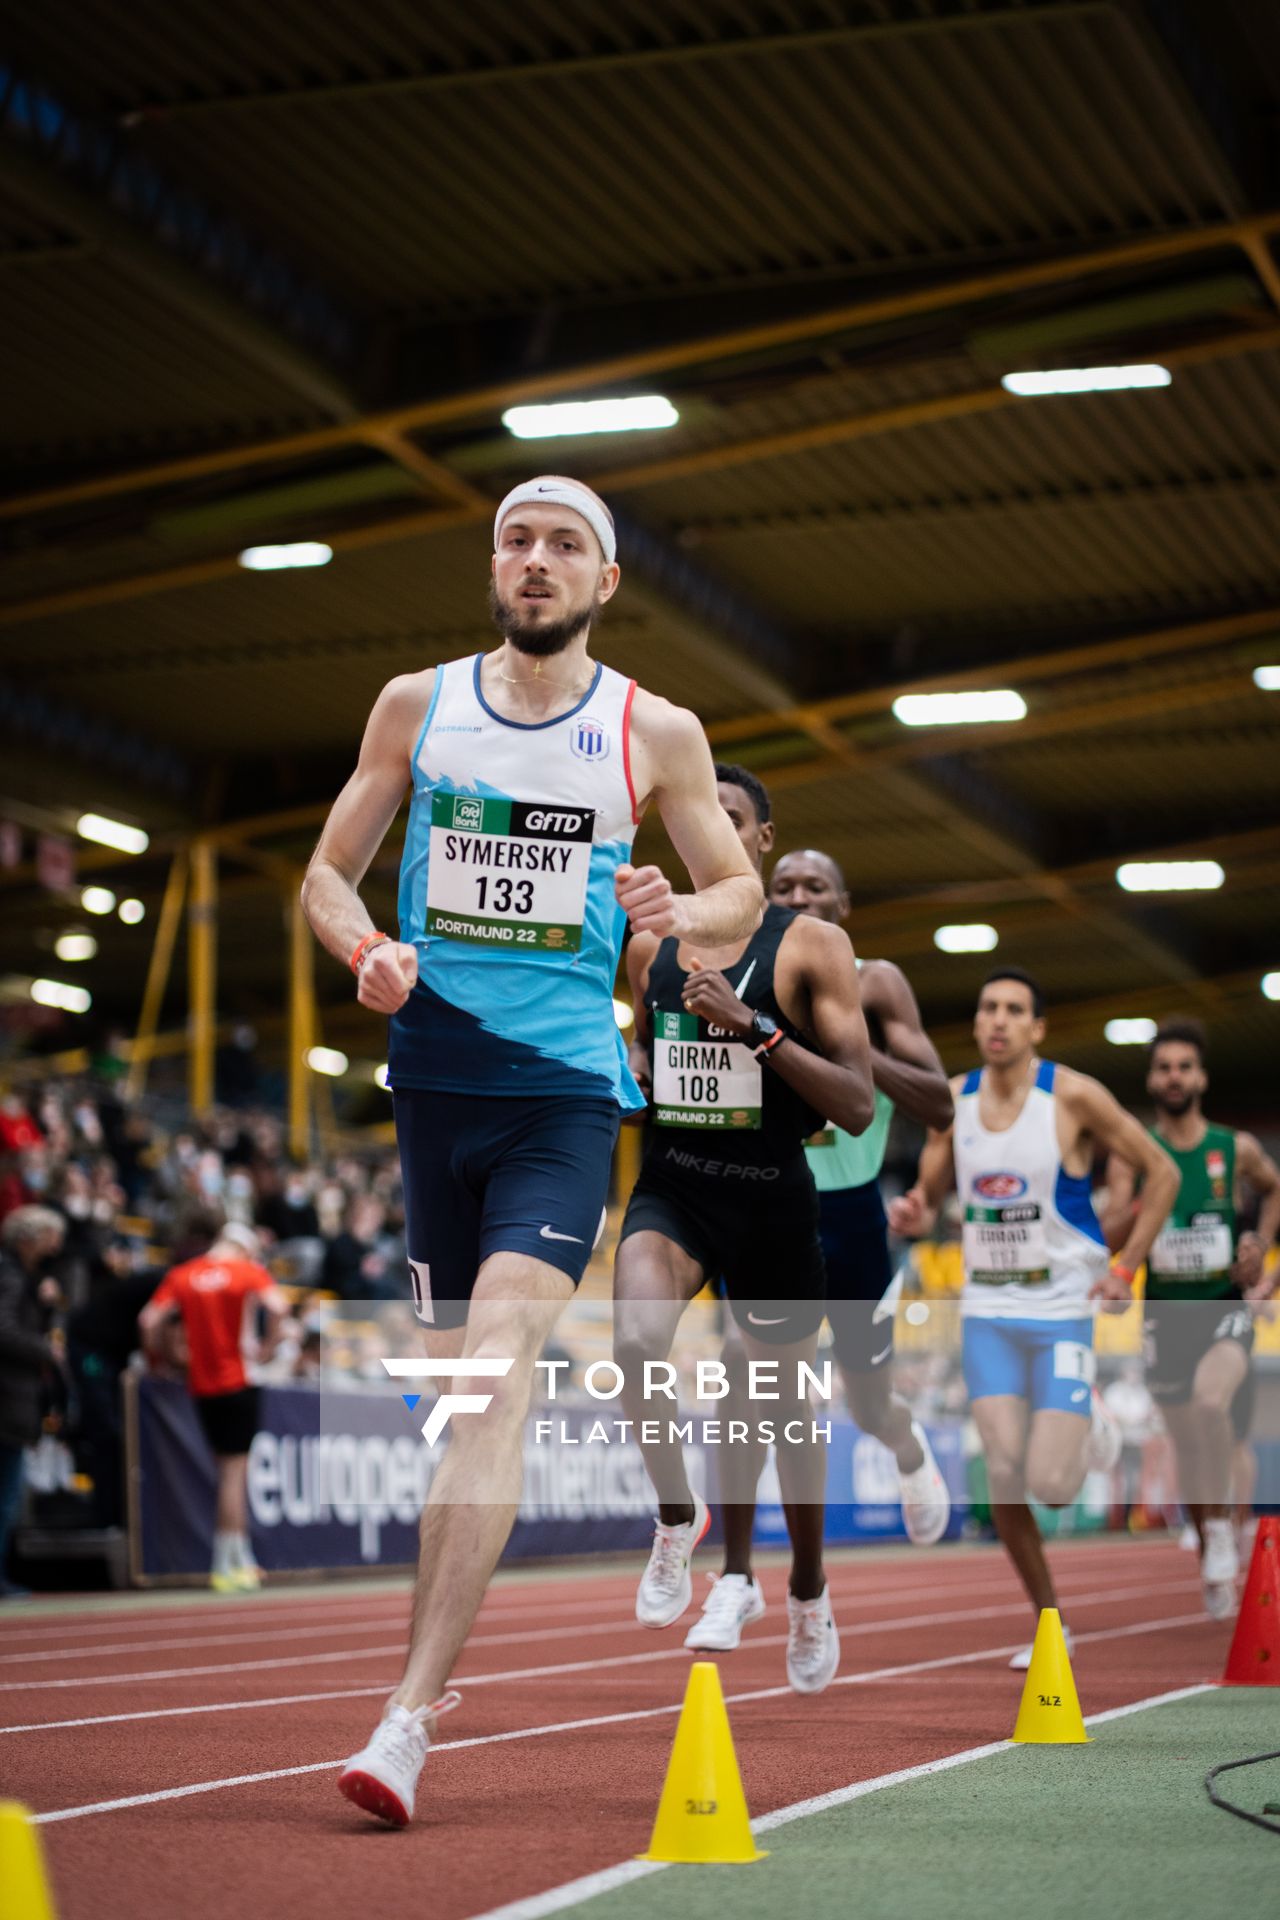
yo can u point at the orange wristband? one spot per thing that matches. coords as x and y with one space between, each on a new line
362 952
1127 1274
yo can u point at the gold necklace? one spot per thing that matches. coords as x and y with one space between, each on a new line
521 680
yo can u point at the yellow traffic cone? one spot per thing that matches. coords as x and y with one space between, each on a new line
22 1872
702 1815
1050 1712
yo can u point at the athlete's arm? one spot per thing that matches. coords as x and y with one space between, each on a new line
672 766
274 1304
1121 1202
641 949
1100 1116
1262 1174
907 1068
354 831
837 1080
915 1213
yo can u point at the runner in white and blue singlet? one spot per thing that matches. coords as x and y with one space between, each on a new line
1019 1153
529 769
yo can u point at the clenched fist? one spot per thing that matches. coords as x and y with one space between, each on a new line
387 976
646 897
910 1215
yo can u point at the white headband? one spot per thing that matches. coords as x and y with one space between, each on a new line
560 493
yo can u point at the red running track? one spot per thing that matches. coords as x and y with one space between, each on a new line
553 1766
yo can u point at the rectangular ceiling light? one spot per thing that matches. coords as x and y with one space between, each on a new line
75 946
958 709
1271 985
327 1060
112 833
59 993
1267 678
977 938
632 415
1170 876
1085 380
297 553
1130 1033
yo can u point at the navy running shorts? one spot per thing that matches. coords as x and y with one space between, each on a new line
485 1175
855 1242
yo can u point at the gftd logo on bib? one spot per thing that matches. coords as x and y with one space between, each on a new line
589 741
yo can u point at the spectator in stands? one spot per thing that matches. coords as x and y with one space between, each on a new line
213 1294
286 1208
18 1130
358 1263
101 1337
29 1239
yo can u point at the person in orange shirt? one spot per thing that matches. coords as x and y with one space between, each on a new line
212 1295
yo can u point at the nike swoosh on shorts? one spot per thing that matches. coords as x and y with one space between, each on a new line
756 1321
548 1234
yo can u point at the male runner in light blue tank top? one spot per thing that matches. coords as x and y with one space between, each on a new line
529 769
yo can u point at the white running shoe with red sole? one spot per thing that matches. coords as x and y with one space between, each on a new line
383 1776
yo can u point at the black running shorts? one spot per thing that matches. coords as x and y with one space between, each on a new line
1180 1333
763 1240
230 1420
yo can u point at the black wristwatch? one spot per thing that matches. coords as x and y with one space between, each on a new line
765 1034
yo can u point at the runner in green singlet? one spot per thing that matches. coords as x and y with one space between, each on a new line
1204 1280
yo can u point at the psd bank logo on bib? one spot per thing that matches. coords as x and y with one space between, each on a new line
469 813
999 1186
589 740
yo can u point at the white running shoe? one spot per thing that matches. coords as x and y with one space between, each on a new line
813 1645
1022 1659
1189 1539
735 1600
1103 1447
1219 1566
926 1504
381 1778
666 1585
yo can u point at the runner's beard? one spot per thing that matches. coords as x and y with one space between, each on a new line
1175 1106
541 641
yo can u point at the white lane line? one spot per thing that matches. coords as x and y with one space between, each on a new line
549 1673
860 1571
573 1893
598 1720
624 1604
270 1601
863 1627
851 1588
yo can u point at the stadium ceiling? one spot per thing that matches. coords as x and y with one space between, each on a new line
276 276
